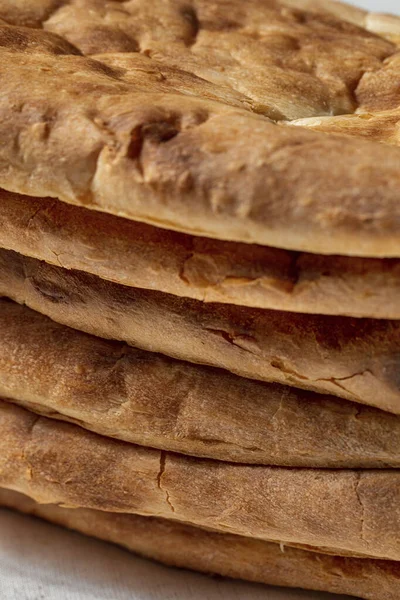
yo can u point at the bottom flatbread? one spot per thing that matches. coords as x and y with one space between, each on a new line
345 512
234 556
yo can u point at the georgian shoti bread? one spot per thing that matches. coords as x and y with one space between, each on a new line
354 512
155 401
178 113
179 545
357 359
140 255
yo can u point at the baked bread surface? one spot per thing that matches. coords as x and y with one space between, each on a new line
356 359
180 112
151 400
140 255
349 512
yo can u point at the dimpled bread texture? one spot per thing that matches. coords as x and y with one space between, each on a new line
264 121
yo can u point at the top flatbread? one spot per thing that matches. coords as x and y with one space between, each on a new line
179 113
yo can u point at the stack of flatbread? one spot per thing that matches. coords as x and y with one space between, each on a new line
200 282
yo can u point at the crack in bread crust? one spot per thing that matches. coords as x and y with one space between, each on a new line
152 400
77 468
314 352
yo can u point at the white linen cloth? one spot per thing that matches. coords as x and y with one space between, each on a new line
391 6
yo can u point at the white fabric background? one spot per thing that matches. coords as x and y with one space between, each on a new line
42 562
379 5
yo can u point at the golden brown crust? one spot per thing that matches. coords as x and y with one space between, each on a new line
385 25
377 117
340 10
355 359
179 545
343 511
160 125
139 255
154 401
28 13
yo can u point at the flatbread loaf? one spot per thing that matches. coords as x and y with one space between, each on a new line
179 545
341 511
357 359
178 113
139 255
155 401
